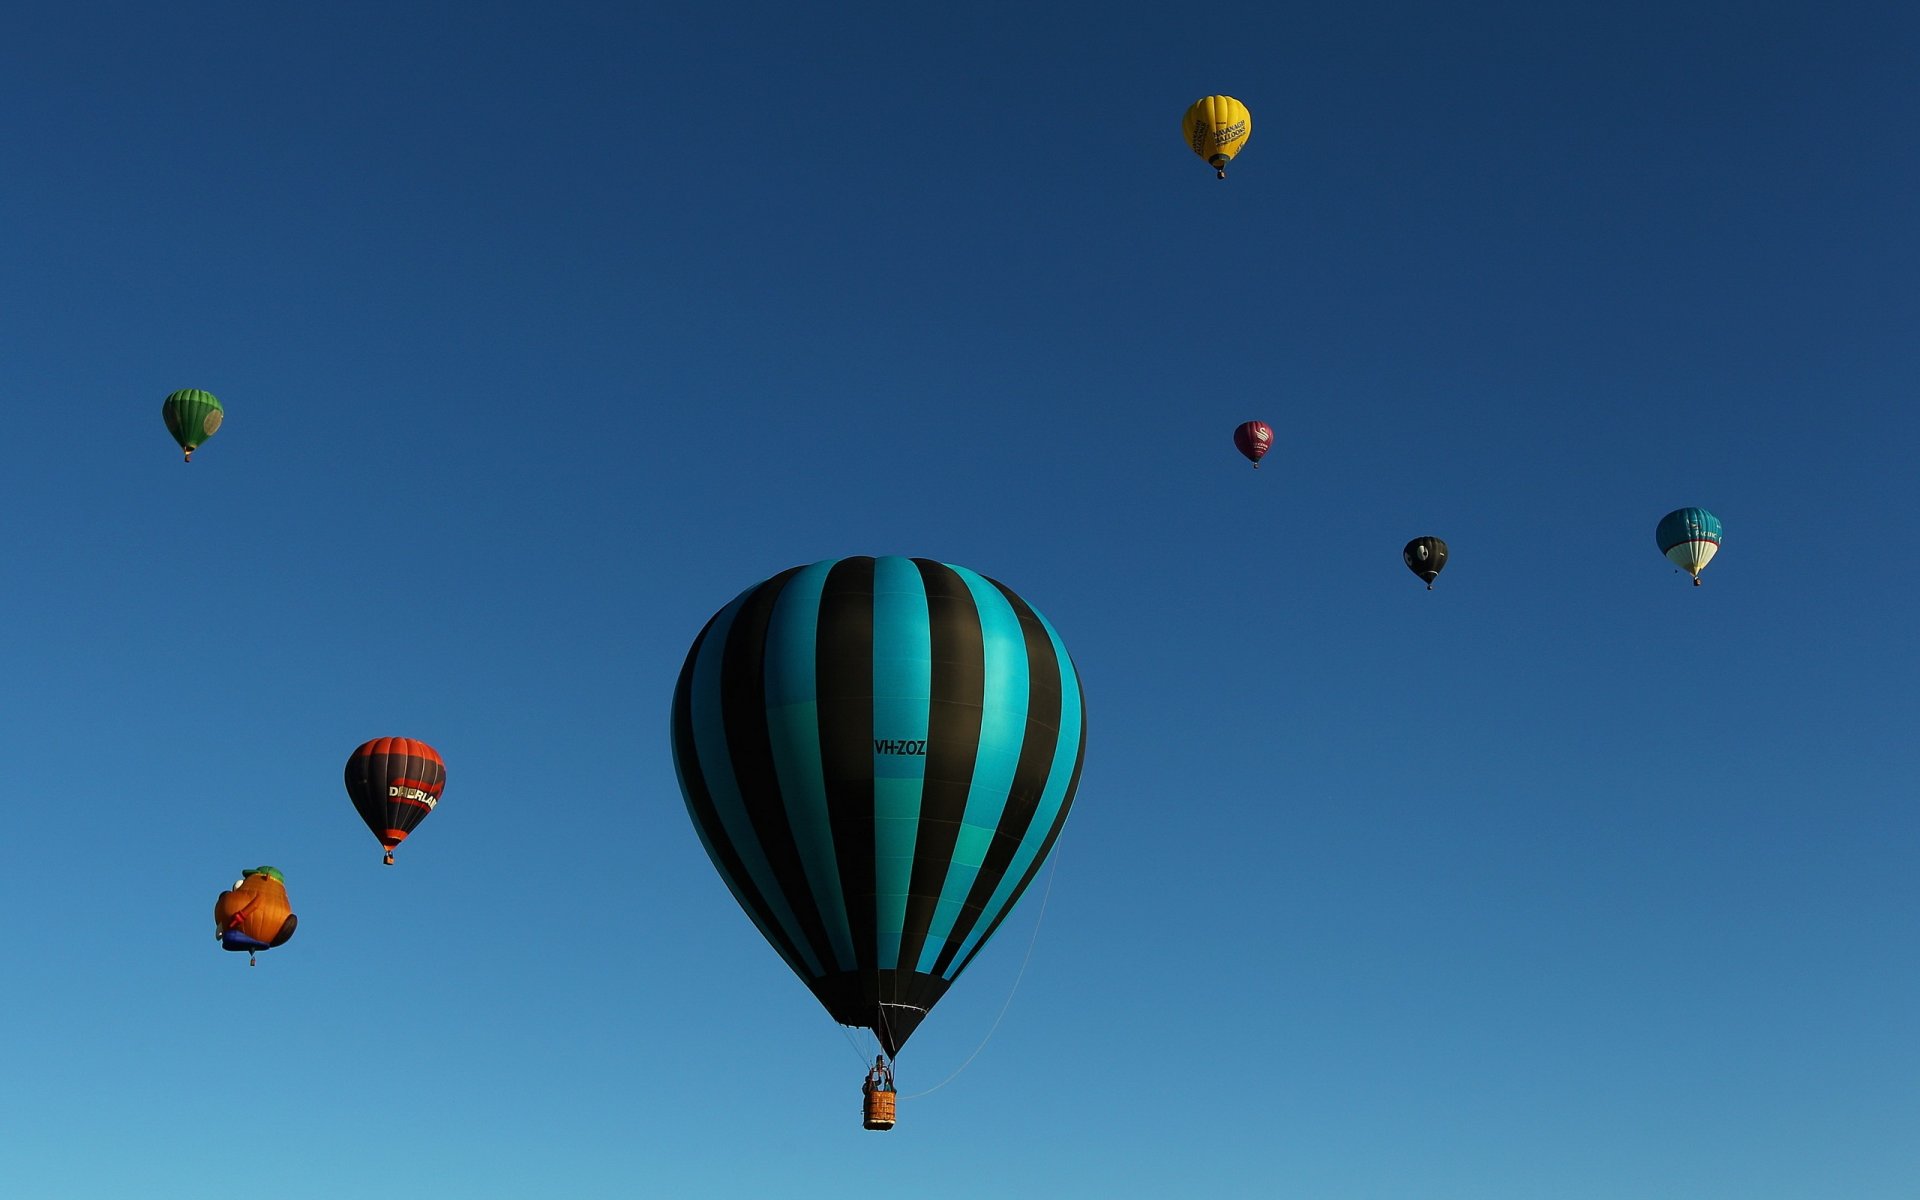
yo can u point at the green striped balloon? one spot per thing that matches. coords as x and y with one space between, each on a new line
192 416
878 754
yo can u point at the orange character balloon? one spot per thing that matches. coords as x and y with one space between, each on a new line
255 915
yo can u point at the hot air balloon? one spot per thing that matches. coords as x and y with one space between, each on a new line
878 754
192 416
1425 557
395 782
254 915
1253 439
1216 127
1689 537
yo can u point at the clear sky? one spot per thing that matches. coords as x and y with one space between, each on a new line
544 330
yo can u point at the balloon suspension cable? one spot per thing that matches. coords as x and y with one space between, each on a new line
853 1044
1038 919
881 1032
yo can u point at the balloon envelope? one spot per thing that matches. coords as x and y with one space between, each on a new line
394 783
1253 439
254 914
1217 128
1689 537
192 416
1425 557
878 755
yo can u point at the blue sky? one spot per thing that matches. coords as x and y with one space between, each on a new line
543 332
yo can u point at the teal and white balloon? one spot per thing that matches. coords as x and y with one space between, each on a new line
1689 537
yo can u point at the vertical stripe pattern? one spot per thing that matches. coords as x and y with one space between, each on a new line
192 416
1689 537
394 783
877 755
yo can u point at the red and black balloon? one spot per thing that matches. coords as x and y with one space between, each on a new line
394 783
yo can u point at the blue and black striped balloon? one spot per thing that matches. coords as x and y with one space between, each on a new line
878 753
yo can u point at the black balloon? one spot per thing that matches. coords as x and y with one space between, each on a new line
1425 557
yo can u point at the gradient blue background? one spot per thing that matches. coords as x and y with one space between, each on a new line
545 330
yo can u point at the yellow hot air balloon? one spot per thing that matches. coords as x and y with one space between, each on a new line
1217 127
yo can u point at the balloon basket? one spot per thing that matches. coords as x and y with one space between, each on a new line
879 1110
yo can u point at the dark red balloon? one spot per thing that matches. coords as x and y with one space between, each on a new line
395 782
1253 439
